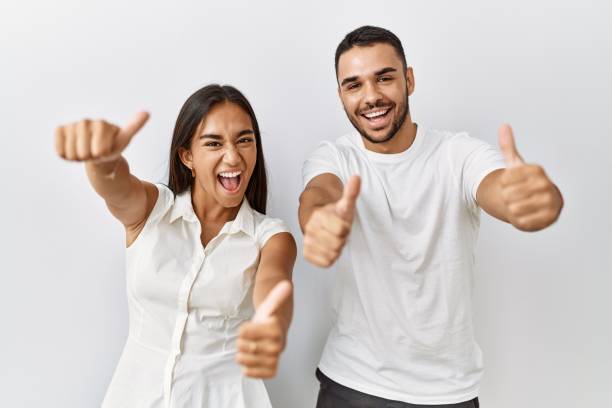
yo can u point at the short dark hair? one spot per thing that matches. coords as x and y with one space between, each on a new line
192 113
370 35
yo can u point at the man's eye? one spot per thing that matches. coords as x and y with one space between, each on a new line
353 86
385 78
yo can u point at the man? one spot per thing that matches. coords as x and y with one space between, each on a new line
406 228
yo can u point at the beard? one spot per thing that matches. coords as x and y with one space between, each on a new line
395 126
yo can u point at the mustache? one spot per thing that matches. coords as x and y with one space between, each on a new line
377 104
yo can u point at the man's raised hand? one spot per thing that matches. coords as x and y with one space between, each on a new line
327 230
532 201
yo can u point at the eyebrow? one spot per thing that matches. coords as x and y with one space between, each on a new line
219 137
349 79
385 70
377 73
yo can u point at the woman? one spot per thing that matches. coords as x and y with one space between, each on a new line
201 257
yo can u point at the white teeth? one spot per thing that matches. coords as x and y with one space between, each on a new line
375 114
230 173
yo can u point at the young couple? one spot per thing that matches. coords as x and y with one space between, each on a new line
395 204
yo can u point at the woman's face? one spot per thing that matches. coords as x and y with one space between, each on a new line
223 154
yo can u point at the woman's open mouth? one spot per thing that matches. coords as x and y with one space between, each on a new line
229 180
378 118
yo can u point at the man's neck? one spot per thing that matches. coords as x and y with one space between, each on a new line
402 140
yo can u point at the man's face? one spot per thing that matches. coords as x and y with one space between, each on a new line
374 89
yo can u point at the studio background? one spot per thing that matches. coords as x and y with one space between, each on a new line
543 304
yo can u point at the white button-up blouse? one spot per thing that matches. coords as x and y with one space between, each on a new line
186 303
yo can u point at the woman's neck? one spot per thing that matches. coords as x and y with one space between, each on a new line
208 210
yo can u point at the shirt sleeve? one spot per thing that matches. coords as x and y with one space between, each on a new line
164 202
325 159
472 160
270 227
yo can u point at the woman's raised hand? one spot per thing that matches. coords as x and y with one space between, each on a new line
262 340
96 140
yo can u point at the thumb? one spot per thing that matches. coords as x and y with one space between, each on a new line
508 146
345 207
275 299
127 132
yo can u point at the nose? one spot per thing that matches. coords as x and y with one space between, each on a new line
231 156
372 94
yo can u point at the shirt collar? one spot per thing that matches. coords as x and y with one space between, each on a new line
182 207
244 220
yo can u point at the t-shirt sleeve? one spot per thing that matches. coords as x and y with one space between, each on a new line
472 160
325 159
268 228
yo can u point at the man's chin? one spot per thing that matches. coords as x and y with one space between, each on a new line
381 136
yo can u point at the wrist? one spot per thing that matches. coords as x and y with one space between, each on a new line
106 169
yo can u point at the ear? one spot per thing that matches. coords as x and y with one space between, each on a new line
186 157
409 81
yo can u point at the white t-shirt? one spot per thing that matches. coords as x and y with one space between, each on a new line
186 304
403 297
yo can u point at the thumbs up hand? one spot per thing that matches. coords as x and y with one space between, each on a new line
532 201
327 230
96 140
261 341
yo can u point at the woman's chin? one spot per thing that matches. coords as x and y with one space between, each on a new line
228 198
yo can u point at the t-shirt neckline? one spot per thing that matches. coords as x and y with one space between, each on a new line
393 157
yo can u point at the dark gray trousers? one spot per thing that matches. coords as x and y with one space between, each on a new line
334 395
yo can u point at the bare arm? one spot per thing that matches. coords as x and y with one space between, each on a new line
275 265
99 144
129 199
262 340
320 191
489 196
522 194
326 213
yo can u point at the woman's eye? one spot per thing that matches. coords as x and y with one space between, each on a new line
245 140
212 144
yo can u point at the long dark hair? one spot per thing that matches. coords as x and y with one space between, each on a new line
192 113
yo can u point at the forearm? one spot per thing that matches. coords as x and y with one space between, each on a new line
313 198
111 180
263 287
523 196
490 196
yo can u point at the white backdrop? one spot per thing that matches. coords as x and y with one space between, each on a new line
544 310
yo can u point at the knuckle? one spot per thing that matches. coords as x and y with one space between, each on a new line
513 208
308 255
521 224
543 184
337 245
334 255
506 194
